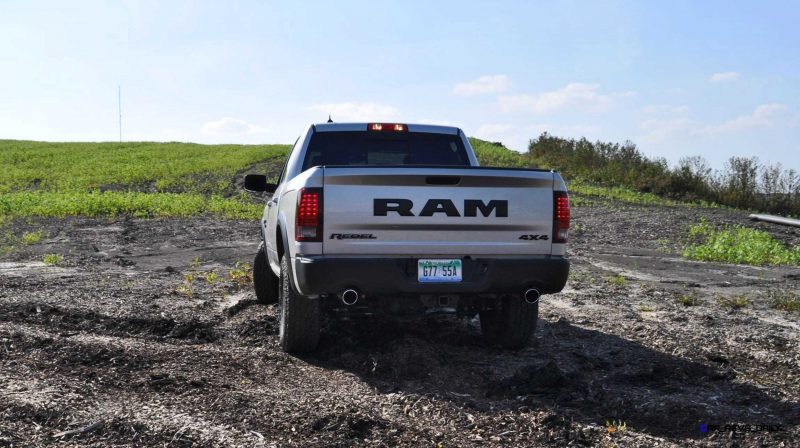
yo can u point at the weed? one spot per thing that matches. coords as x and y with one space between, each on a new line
52 259
689 300
241 274
784 300
787 304
212 278
616 426
187 287
737 244
664 245
32 237
648 288
616 280
734 303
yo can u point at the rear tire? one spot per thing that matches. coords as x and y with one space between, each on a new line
512 324
300 316
264 280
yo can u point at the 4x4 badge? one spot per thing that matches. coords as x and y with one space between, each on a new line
535 237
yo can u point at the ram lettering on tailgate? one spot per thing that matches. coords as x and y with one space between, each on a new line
403 207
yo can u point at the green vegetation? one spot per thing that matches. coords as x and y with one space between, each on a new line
143 166
734 303
241 274
32 237
52 259
621 194
616 280
114 203
743 183
784 300
212 277
136 179
238 277
689 300
146 179
186 288
495 154
737 244
616 426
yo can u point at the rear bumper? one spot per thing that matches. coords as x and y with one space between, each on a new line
398 276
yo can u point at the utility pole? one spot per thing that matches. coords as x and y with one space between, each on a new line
119 107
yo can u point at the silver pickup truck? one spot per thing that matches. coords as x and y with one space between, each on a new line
396 218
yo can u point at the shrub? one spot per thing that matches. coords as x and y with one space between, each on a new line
52 259
737 244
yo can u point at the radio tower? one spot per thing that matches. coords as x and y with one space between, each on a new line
119 107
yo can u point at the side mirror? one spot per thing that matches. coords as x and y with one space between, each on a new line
258 183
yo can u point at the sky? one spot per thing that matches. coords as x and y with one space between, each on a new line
678 78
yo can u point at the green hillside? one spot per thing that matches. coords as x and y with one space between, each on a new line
146 179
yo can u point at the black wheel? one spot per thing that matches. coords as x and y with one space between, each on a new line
300 316
511 324
264 280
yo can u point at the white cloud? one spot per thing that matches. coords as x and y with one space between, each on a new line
492 131
484 84
764 116
509 135
661 129
354 111
573 96
230 125
565 130
433 121
724 77
517 137
665 109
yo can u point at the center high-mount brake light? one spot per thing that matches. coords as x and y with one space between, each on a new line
308 215
560 216
387 127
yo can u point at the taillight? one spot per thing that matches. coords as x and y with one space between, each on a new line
387 127
308 216
560 217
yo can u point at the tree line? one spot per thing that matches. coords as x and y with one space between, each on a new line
743 182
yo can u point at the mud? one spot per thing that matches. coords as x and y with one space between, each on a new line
108 349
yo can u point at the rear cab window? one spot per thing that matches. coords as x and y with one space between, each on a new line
364 148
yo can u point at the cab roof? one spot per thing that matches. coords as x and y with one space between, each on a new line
429 128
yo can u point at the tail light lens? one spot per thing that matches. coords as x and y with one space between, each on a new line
560 217
308 216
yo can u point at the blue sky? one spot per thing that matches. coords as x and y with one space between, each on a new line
678 78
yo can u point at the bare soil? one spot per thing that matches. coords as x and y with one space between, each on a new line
103 350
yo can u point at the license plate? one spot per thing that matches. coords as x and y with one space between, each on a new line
438 271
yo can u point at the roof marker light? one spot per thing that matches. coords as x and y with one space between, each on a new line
387 127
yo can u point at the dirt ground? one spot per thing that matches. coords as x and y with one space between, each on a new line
111 348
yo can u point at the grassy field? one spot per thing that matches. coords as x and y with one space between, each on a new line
140 179
151 167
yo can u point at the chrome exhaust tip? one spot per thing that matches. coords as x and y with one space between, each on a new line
350 297
532 296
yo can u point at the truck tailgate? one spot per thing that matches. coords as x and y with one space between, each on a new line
375 210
